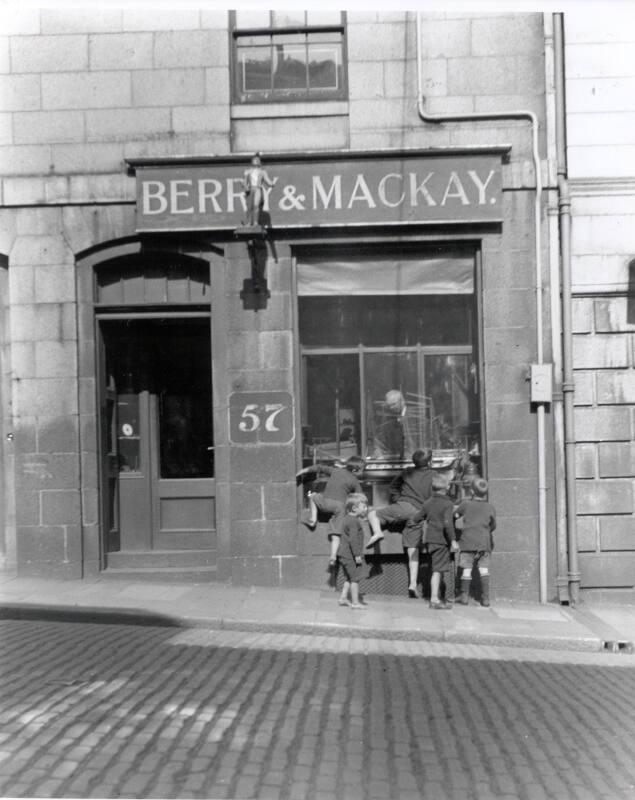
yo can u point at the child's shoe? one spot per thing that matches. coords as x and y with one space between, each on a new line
374 539
343 602
358 606
440 605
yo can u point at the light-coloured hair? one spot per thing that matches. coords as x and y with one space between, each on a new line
439 483
354 499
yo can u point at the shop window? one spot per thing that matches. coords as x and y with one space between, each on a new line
287 55
389 361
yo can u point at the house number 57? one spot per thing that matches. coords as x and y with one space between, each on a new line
253 414
261 417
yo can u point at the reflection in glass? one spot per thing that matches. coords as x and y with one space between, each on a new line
332 406
255 68
323 63
290 68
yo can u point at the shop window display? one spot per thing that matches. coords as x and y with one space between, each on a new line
389 361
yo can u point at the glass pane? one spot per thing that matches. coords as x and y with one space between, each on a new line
332 421
185 434
252 18
452 386
289 19
323 67
182 377
128 433
381 321
397 413
290 67
254 64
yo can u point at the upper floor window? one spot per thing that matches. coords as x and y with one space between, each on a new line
288 55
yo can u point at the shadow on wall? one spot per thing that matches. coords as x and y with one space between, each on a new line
630 301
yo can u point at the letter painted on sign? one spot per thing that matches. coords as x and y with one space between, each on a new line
266 190
153 200
235 190
334 192
204 195
364 193
176 192
381 190
482 200
420 188
459 191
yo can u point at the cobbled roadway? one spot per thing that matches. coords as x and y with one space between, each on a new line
111 711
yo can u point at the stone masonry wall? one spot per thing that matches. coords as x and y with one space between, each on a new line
84 89
600 66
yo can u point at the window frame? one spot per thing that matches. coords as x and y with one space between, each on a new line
305 95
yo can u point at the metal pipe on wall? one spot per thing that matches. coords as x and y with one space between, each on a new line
557 409
540 410
568 386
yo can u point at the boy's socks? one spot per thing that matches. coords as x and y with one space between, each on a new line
464 597
485 590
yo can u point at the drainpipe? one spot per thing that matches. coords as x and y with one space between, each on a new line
557 409
568 386
540 410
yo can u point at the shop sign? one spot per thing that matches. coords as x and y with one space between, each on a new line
260 417
402 189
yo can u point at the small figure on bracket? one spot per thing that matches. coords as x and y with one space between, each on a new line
254 181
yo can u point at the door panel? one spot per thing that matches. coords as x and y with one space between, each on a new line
161 380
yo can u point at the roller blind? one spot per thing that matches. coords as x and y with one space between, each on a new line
386 276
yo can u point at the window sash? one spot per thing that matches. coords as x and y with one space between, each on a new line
297 61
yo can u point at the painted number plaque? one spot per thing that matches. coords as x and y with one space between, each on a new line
261 417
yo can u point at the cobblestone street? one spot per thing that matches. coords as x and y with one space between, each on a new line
129 711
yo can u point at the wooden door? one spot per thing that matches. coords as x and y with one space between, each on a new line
160 372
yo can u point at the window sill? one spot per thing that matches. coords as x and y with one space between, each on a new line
326 108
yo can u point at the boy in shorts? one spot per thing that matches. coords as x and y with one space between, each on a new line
342 481
408 491
351 549
440 541
475 518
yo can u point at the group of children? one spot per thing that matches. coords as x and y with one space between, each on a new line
419 501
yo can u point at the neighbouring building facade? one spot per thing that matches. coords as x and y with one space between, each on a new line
442 258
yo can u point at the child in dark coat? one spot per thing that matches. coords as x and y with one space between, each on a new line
440 541
351 549
475 518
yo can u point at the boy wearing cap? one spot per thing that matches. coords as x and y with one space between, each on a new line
475 519
440 542
408 492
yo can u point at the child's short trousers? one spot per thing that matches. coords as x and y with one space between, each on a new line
335 508
412 535
470 558
400 511
439 557
353 572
